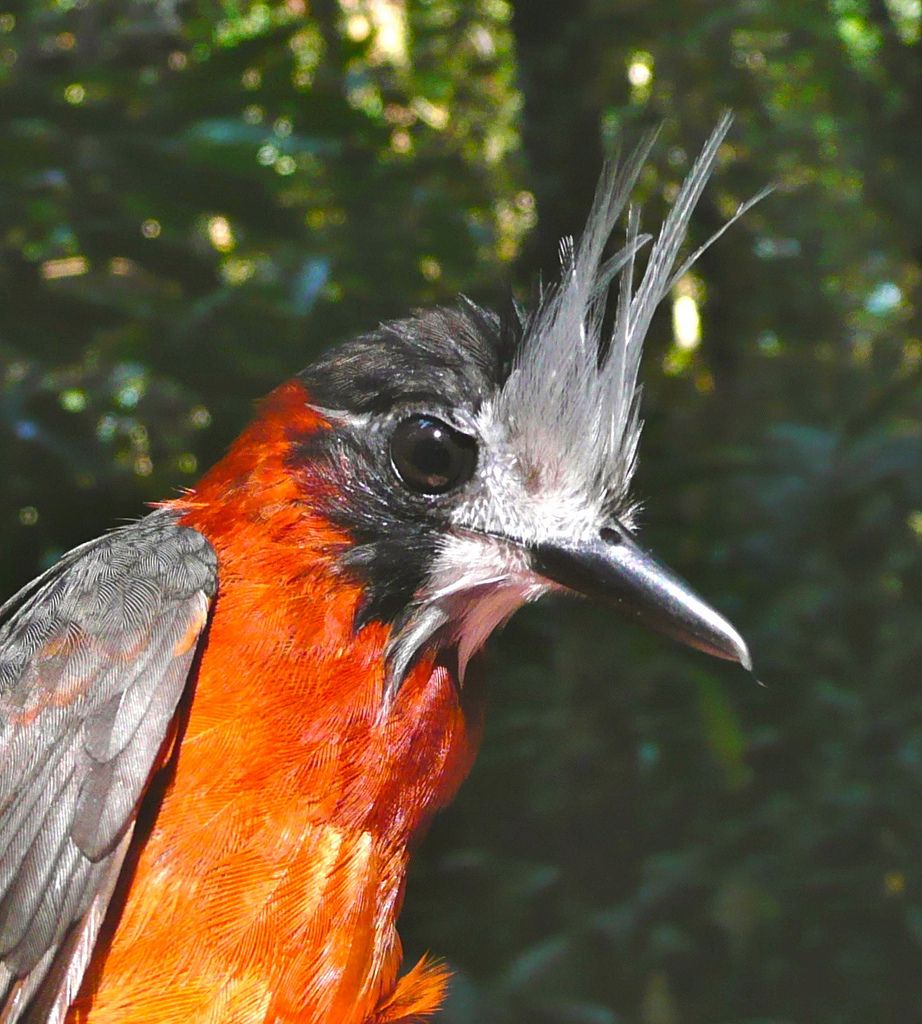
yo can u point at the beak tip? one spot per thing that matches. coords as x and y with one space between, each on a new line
745 658
738 650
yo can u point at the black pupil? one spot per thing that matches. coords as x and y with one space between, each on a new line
430 456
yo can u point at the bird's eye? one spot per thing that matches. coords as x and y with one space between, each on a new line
431 457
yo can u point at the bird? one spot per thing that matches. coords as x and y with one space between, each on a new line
225 726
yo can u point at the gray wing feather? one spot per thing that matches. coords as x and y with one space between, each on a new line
66 972
45 994
94 658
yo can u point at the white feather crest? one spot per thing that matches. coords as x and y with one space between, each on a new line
574 416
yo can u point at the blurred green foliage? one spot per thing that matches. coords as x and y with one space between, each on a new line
196 198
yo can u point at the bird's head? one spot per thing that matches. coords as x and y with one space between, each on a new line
478 462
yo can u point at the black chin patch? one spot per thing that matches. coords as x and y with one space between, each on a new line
393 539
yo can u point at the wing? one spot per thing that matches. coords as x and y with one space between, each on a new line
94 657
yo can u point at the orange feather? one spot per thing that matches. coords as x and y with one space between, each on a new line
270 881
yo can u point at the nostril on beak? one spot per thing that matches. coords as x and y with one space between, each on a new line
612 536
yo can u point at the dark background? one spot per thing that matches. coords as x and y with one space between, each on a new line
197 198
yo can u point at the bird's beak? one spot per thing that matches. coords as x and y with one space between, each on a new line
611 566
